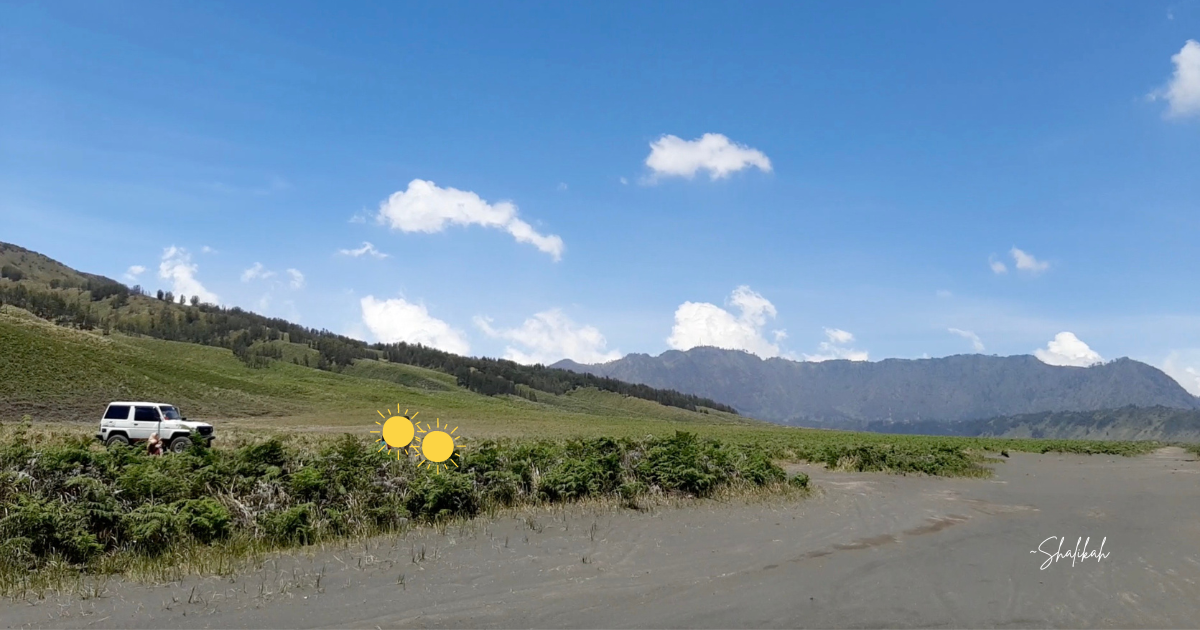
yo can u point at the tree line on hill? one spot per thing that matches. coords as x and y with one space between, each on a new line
102 303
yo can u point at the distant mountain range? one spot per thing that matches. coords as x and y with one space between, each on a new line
1127 423
855 394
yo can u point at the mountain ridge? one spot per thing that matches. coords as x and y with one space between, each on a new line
852 394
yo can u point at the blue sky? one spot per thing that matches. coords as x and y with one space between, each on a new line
562 179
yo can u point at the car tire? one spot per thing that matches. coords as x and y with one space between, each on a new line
180 444
116 440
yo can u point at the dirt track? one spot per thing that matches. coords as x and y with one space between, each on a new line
867 551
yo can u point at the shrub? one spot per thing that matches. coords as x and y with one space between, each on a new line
502 487
145 482
205 519
438 496
290 525
800 480
151 528
681 463
307 483
759 470
571 479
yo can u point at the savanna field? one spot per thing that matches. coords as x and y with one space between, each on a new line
295 463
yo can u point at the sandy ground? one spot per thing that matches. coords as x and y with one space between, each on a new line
867 550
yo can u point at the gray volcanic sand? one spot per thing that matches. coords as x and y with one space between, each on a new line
867 550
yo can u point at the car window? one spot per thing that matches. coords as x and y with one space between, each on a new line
169 412
117 412
145 414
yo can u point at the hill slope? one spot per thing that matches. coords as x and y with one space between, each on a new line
59 373
54 292
850 394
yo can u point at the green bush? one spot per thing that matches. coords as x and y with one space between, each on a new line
205 519
437 496
502 487
682 463
151 528
307 483
799 480
292 525
145 482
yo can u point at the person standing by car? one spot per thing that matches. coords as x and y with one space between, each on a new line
154 445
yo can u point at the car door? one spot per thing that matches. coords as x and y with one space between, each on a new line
145 422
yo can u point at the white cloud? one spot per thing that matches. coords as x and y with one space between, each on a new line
1182 369
398 320
562 185
976 342
671 156
207 250
704 324
1027 262
424 207
133 272
997 266
1182 92
1067 349
297 281
366 249
177 267
257 272
624 181
835 348
550 336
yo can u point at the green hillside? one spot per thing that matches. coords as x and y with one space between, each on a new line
59 373
63 296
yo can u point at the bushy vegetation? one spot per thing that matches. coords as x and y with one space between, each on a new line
64 499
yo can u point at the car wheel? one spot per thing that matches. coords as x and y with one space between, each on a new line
179 445
117 440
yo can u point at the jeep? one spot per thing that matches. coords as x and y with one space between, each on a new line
132 422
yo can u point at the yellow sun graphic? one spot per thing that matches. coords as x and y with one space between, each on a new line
396 431
437 445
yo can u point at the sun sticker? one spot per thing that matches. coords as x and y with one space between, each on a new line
397 431
437 445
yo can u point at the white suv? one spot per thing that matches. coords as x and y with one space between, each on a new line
127 422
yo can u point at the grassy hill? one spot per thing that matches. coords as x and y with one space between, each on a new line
61 295
59 373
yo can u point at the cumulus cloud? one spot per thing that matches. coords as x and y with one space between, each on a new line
1182 369
297 281
1027 262
366 249
133 272
396 320
704 324
257 272
550 336
672 156
1067 349
177 267
835 347
997 266
976 342
1182 92
424 207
